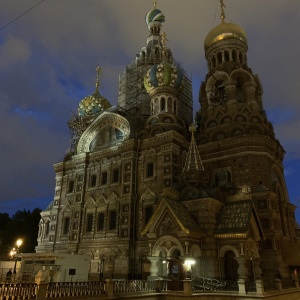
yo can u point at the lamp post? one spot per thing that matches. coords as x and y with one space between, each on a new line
14 252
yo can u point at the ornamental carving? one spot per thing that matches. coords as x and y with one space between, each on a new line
148 196
112 199
90 203
167 226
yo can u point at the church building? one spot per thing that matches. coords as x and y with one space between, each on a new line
150 189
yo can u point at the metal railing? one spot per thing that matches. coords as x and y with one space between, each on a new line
67 289
250 286
130 286
207 284
18 291
96 289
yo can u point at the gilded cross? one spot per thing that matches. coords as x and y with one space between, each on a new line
222 10
98 69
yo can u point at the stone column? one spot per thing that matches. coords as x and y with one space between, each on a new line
187 287
109 287
242 286
250 89
242 268
230 87
154 267
257 272
259 287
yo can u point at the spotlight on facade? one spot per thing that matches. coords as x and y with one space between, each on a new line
189 262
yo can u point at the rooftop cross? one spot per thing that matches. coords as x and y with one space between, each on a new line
222 10
98 69
154 3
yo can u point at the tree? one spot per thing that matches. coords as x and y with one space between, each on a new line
23 225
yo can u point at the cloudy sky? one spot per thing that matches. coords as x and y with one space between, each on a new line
48 58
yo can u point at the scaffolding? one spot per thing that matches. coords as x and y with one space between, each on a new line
78 125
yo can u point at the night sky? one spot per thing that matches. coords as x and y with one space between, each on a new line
48 58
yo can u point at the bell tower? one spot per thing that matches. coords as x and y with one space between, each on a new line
236 138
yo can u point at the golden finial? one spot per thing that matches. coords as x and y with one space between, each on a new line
154 3
163 43
222 10
98 69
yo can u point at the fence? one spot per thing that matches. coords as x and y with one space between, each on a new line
112 288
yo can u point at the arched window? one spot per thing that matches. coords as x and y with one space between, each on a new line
100 223
66 225
219 58
230 266
234 55
93 180
150 170
163 104
47 229
226 55
89 222
115 176
148 213
112 220
71 186
104 178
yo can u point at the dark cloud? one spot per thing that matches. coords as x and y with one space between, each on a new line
48 59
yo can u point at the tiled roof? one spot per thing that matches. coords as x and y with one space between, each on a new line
234 218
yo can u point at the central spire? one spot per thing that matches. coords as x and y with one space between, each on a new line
193 160
154 3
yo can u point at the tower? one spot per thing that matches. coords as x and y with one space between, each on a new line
134 101
237 142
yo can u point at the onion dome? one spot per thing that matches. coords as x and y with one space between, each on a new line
92 104
95 103
154 15
163 75
225 31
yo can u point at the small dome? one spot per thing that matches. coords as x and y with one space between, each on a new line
225 31
92 104
163 74
154 15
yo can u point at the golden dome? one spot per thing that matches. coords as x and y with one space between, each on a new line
225 31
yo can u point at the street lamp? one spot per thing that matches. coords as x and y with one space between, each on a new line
14 252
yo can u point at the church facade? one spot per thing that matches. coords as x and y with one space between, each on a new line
146 192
